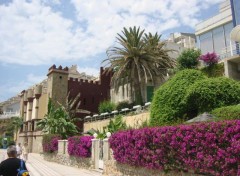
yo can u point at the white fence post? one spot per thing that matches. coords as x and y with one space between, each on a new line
62 146
95 153
106 150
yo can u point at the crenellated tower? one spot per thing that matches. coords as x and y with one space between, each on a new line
57 88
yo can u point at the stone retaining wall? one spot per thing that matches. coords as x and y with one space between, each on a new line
65 159
134 121
112 168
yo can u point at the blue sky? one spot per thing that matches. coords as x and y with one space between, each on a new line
37 34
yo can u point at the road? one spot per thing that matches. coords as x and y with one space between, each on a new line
39 167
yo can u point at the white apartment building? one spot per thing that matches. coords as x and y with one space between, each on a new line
213 34
220 34
10 108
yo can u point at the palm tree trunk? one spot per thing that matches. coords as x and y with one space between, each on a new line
138 92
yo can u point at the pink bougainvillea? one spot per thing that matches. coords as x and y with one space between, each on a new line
209 58
80 146
207 148
50 143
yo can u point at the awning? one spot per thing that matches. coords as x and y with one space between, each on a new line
235 34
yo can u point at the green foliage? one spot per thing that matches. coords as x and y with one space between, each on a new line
166 106
227 112
208 94
106 106
14 126
188 59
214 70
114 125
57 121
124 104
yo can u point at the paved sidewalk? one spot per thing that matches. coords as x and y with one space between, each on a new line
39 167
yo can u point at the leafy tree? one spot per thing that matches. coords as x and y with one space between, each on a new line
188 59
14 125
57 121
138 58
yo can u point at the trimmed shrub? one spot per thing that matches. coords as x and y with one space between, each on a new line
124 104
188 59
80 146
205 148
50 143
166 106
227 112
106 106
208 94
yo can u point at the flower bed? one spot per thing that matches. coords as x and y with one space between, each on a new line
80 146
207 148
50 143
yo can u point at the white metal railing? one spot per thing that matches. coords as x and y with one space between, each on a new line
228 51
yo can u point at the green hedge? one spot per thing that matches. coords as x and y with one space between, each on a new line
227 112
167 106
208 94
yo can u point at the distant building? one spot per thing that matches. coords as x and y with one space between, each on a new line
10 108
213 34
60 84
186 40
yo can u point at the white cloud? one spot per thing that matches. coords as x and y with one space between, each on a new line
32 33
14 88
89 71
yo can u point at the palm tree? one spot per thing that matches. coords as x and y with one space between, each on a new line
138 59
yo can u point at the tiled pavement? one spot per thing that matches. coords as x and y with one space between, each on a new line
39 167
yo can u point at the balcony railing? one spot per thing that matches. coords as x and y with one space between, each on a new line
228 51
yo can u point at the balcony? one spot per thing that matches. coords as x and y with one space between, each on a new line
8 115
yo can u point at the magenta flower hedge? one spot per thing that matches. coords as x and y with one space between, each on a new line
50 143
80 146
206 148
209 58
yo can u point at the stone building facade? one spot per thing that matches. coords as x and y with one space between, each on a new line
58 85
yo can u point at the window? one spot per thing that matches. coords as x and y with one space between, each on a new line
206 42
218 40
227 30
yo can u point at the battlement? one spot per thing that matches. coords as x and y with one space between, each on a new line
60 69
83 81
